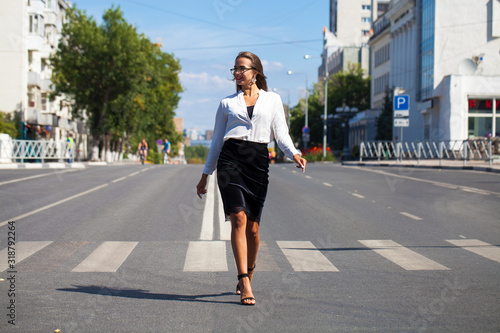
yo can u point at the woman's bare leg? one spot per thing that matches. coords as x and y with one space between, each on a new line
240 252
253 242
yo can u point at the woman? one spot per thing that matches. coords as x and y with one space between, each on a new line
245 123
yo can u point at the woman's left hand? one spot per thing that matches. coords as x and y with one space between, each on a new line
301 162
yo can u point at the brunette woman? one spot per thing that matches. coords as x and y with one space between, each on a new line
245 123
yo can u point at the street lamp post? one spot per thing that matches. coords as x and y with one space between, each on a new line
345 112
306 123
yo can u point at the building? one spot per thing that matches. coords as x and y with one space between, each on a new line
380 65
349 31
447 62
31 30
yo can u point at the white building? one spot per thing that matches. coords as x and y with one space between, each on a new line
31 30
350 27
380 65
444 55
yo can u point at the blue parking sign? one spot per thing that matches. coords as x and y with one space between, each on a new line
401 103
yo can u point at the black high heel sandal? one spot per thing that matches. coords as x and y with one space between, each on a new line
250 275
241 276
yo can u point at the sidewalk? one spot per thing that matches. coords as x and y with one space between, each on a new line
431 164
59 165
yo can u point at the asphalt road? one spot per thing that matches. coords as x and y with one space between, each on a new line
343 249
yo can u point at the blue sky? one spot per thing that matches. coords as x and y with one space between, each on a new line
205 36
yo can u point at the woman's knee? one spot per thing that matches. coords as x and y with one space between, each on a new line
253 229
239 220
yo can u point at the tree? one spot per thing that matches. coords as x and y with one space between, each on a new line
344 88
9 125
384 120
116 78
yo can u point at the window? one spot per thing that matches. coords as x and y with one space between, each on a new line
366 20
382 55
36 24
426 84
44 101
31 99
484 117
366 7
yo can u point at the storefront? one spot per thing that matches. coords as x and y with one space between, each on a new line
483 117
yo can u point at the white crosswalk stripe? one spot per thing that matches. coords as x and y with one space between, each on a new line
212 255
476 246
108 257
206 256
305 257
19 252
402 256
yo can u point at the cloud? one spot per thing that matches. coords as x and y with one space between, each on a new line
204 82
272 66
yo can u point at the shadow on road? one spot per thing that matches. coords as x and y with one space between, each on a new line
145 294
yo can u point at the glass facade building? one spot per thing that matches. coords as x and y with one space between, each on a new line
428 18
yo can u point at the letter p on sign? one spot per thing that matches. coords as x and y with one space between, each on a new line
401 103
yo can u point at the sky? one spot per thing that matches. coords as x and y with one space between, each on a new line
206 35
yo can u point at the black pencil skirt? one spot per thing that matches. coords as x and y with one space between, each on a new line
243 177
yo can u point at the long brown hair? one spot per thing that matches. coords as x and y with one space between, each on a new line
257 66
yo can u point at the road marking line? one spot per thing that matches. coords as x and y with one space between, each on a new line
119 179
402 256
483 249
474 190
308 177
207 224
206 256
224 226
52 205
327 184
23 251
134 173
108 257
358 195
416 218
35 176
305 257
433 182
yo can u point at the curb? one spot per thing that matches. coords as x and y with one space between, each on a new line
9 166
58 165
443 167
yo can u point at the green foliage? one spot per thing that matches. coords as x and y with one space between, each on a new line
344 88
317 156
126 86
196 154
9 125
384 121
154 156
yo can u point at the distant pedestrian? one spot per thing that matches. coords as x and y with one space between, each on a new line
245 123
71 143
166 152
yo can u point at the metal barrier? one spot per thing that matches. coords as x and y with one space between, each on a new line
20 150
465 150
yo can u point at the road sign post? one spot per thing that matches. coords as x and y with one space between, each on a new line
401 106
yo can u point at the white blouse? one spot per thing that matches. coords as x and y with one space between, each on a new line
232 121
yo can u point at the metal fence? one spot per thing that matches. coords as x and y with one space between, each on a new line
41 150
462 150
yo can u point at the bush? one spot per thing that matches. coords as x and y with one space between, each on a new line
196 154
155 157
315 154
8 125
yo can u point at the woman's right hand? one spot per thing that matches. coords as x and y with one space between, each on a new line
201 188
